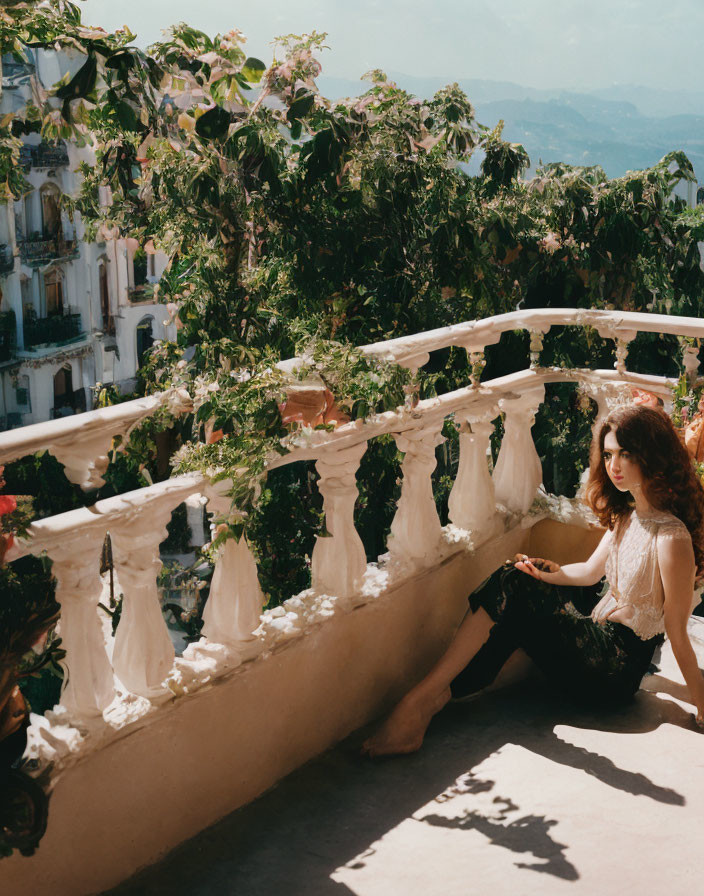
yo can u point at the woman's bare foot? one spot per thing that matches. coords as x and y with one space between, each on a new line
405 728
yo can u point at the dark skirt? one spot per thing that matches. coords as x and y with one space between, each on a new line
594 664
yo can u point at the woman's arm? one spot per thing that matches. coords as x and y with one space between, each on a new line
676 560
587 573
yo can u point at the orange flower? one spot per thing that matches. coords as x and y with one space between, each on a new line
8 504
645 398
311 407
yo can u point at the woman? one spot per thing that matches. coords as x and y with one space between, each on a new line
643 488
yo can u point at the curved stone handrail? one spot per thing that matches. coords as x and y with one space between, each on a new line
475 335
82 442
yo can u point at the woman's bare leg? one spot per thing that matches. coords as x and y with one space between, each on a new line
405 728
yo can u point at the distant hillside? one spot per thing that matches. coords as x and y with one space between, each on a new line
619 128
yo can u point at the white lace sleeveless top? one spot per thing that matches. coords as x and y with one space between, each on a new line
633 573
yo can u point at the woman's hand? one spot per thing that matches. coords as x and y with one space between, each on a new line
536 567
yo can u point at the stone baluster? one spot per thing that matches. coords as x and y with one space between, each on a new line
537 337
339 561
85 453
412 390
690 360
416 529
477 363
518 472
472 502
235 602
621 355
621 338
143 654
85 458
88 684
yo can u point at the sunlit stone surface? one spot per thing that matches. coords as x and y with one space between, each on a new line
514 792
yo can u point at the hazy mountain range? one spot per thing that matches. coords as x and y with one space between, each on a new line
620 128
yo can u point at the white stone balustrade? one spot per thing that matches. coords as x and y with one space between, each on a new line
416 529
143 653
339 562
235 601
88 683
518 472
143 656
472 502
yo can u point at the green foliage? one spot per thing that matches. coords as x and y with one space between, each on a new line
41 477
28 604
294 224
245 406
179 540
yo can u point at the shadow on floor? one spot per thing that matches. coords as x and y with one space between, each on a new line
329 813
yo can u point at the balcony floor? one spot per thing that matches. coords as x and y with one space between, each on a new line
515 792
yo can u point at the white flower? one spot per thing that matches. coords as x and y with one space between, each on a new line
551 242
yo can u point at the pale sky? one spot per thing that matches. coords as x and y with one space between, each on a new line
536 43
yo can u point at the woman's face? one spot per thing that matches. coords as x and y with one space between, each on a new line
621 466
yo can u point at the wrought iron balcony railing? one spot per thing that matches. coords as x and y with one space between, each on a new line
55 330
38 250
44 155
140 295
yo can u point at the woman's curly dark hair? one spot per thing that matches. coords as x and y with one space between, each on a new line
670 480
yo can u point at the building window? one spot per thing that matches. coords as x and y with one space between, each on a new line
139 268
22 394
51 217
108 319
27 297
54 291
63 392
145 339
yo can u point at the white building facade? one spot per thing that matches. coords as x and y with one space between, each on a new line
72 313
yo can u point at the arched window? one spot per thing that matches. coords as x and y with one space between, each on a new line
63 392
700 195
139 268
51 216
145 338
54 292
